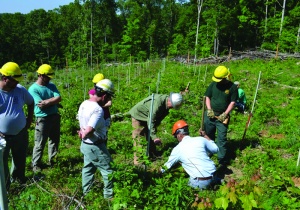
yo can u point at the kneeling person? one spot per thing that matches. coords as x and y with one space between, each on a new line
192 153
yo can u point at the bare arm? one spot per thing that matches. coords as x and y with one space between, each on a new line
49 102
230 107
29 118
87 131
207 102
108 104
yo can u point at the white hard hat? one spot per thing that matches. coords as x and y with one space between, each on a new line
105 85
176 100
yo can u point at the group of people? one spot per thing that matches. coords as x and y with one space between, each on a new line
43 98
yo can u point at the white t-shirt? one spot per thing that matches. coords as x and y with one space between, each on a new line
12 117
192 153
91 114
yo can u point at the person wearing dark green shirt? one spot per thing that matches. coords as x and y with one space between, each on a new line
140 114
220 95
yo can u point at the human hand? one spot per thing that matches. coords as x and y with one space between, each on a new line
157 141
42 104
202 132
2 142
210 113
222 117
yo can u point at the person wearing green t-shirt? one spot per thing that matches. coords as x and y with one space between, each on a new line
241 101
221 96
47 128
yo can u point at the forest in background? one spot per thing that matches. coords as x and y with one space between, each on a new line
86 33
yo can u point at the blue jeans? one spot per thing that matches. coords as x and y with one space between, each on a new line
96 157
199 184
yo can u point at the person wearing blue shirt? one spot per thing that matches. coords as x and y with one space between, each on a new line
192 153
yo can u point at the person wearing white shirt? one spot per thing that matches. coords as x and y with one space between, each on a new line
93 135
192 153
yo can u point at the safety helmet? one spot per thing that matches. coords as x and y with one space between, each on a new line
98 77
11 69
105 85
178 125
220 73
47 70
176 100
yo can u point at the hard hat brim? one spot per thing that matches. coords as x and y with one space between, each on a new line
215 79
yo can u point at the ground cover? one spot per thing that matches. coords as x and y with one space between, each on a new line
262 173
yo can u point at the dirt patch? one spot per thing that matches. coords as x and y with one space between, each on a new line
296 180
278 136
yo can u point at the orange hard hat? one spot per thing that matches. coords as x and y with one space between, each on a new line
178 125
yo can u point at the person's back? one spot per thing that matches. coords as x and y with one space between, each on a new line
193 156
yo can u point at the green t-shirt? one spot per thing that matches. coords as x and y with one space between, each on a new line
221 95
242 96
40 93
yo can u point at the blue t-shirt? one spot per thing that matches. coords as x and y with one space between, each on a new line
39 93
12 117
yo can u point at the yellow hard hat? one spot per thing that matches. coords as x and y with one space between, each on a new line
11 69
46 70
98 77
220 73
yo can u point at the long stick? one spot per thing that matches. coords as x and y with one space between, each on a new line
251 113
3 193
298 158
202 117
149 125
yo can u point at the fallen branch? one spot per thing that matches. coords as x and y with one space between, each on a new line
286 86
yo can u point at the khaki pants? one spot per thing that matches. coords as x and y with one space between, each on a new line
140 130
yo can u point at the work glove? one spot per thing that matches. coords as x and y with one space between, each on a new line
2 142
210 113
222 117
157 141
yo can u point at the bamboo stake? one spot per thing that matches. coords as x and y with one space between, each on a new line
298 158
3 193
251 113
149 125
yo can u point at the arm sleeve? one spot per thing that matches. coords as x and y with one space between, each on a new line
95 117
174 158
211 146
55 91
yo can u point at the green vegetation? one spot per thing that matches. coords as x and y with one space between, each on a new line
89 32
264 173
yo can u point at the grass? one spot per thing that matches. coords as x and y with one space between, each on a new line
270 147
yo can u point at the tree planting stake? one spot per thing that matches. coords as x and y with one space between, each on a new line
3 193
251 113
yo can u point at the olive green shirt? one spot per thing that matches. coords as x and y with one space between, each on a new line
221 95
141 111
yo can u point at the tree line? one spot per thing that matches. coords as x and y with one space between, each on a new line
88 32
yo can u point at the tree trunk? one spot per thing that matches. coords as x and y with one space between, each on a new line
282 17
200 2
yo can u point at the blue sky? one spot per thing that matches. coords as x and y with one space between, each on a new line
25 6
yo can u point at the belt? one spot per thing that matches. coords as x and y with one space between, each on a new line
204 178
94 143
